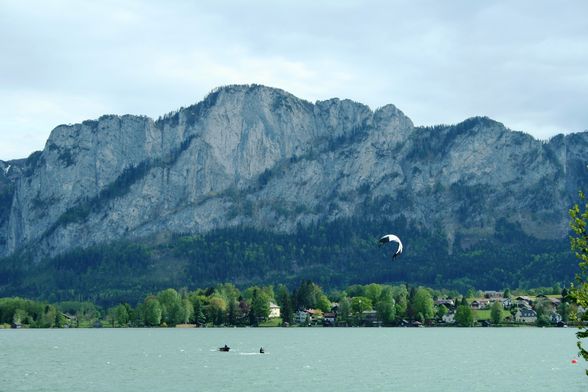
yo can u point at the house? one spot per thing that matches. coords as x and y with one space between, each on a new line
492 294
274 310
507 303
447 302
301 317
480 303
555 302
70 320
524 301
369 318
315 315
555 318
329 319
449 318
525 315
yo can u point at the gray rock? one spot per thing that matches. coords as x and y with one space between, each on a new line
258 156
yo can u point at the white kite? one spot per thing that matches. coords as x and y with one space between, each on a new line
391 238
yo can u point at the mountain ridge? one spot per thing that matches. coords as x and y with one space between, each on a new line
259 157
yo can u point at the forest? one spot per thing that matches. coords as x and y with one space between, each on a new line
333 254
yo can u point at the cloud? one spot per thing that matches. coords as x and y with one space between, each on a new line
523 63
23 113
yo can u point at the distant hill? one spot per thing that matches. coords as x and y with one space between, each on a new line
255 185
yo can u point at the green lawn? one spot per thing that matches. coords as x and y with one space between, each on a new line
274 322
485 314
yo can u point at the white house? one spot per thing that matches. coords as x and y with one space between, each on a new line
525 315
507 303
449 318
274 310
555 317
301 317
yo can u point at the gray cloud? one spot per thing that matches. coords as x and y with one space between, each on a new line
523 63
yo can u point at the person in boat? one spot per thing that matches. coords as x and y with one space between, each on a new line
225 348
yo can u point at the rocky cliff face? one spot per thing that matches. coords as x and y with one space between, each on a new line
253 155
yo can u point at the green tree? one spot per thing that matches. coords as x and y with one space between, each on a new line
360 304
285 302
152 312
323 303
197 301
119 315
20 316
228 291
232 312
441 311
216 309
260 304
49 317
188 310
496 313
579 244
564 309
464 316
422 302
308 296
344 311
373 292
385 306
543 309
172 308
401 301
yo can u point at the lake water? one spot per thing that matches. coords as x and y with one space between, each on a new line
296 359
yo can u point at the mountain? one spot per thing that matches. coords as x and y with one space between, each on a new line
254 159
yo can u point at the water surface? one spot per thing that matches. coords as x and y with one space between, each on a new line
337 359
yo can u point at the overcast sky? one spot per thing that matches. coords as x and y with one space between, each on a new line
523 63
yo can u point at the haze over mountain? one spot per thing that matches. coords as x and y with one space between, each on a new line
258 158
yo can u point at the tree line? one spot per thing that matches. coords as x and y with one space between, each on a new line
226 305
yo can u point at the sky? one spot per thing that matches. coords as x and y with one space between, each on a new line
523 63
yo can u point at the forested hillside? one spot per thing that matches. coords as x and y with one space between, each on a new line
334 255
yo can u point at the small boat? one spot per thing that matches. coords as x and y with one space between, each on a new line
261 350
225 348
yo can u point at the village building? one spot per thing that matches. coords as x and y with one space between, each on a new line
447 302
507 303
369 318
525 315
301 317
329 319
492 294
274 310
448 318
480 303
555 318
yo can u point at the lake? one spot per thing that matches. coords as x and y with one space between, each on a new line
335 359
